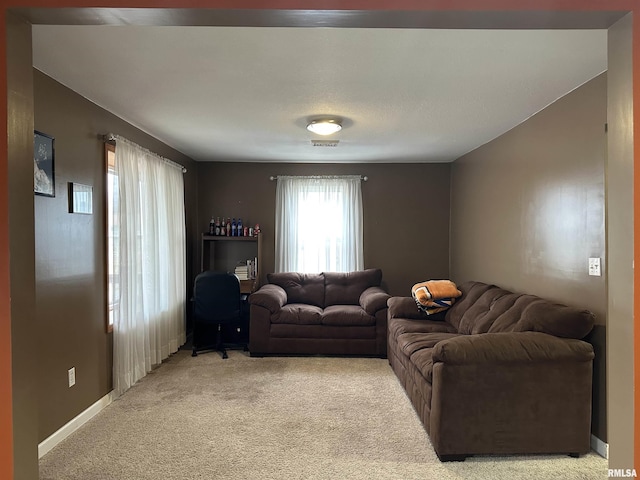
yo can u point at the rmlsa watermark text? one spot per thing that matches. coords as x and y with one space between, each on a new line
622 473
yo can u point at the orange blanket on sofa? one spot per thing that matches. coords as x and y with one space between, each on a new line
435 296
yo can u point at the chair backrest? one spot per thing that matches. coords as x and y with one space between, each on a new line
216 297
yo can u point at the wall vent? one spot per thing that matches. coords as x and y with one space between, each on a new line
325 143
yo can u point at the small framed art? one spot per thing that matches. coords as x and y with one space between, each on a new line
80 198
43 165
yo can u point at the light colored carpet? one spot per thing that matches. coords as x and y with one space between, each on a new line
275 418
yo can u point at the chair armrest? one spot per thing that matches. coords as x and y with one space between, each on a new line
374 299
405 307
270 296
505 348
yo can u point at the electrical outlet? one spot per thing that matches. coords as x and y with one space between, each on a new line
72 376
594 267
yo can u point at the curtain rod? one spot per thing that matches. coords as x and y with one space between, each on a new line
110 137
364 178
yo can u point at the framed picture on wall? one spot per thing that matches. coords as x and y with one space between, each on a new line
43 165
80 198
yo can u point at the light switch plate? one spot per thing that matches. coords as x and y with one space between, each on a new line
594 267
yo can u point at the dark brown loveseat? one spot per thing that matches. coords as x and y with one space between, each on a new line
499 373
326 313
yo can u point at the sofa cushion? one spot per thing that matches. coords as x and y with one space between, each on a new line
506 321
298 314
346 288
347 316
305 333
555 319
423 361
301 287
419 348
479 317
398 326
410 343
487 308
503 302
471 291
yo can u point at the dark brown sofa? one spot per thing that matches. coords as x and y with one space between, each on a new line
498 373
327 313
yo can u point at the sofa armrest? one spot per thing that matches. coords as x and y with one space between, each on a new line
506 393
504 348
270 296
374 299
404 307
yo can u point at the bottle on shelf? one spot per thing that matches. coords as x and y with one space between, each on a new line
228 227
212 226
217 228
223 228
234 227
239 228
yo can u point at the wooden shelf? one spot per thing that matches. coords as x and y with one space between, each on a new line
223 253
220 238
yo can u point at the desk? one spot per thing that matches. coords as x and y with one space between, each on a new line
247 286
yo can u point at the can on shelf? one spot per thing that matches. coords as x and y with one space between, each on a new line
245 232
250 233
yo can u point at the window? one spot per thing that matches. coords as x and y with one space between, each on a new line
147 255
319 224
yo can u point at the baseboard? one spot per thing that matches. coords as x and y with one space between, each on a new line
54 439
600 447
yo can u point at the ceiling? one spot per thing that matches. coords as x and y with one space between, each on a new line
247 93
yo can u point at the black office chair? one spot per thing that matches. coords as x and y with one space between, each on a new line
216 302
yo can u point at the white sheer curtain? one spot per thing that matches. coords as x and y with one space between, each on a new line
149 323
319 224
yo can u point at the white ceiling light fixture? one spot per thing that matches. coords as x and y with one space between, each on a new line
325 126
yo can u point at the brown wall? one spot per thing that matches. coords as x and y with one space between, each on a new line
528 212
406 212
70 276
